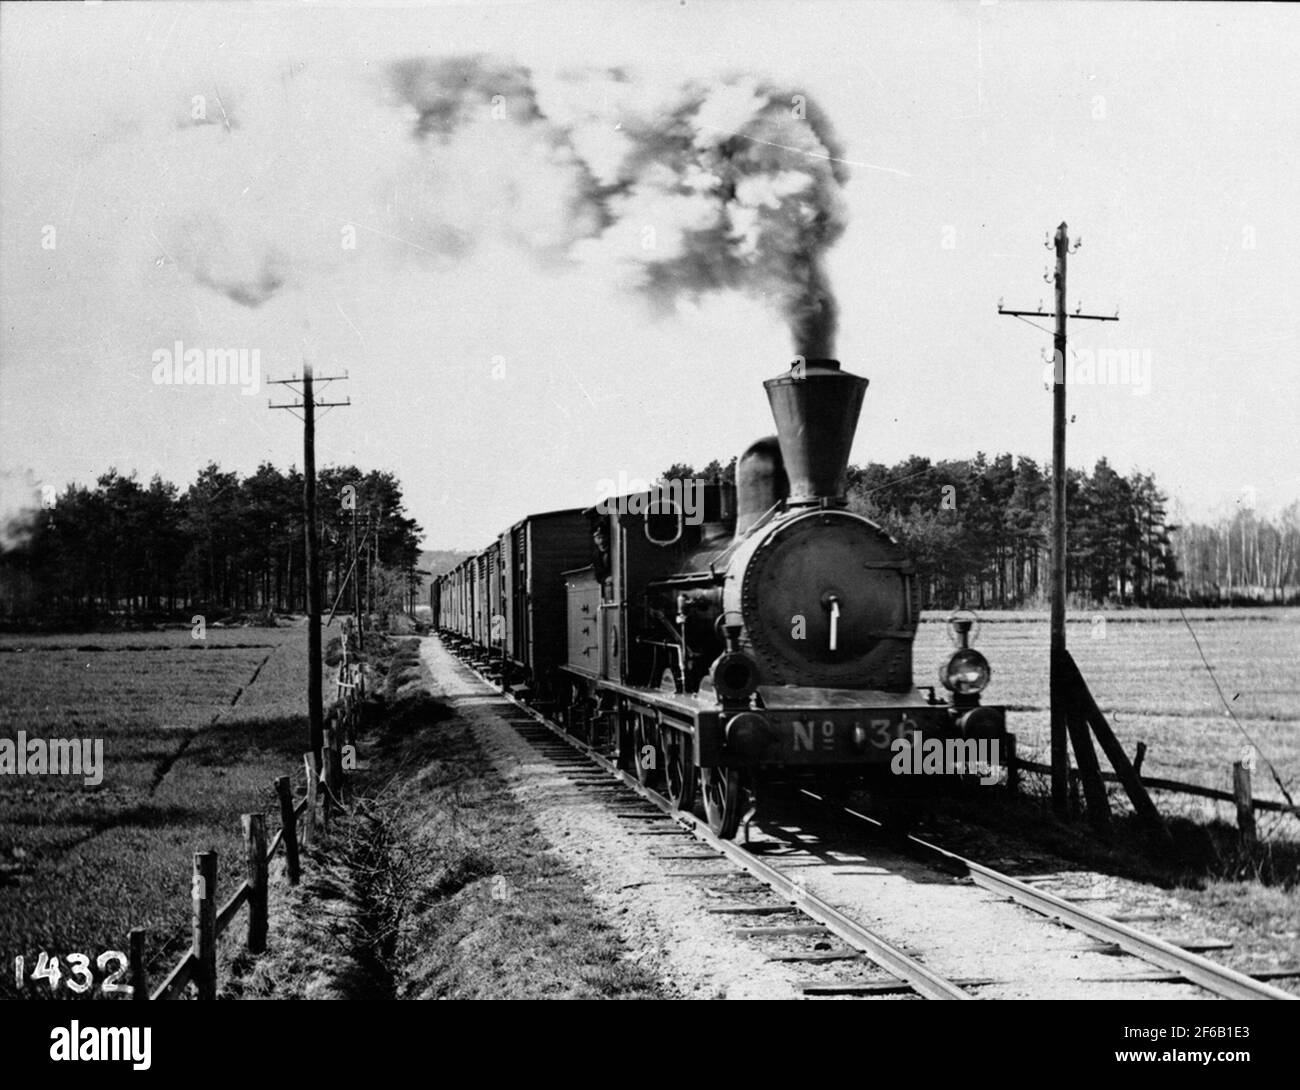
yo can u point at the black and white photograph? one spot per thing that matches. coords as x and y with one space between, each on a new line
657 500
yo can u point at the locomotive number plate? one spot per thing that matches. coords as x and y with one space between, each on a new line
863 735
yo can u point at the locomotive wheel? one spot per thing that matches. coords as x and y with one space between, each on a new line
723 799
679 767
648 757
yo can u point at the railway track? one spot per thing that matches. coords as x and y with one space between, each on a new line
889 956
1185 964
906 973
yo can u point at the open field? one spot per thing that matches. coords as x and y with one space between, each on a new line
193 733
1145 672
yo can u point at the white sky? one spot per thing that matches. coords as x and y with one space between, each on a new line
1165 135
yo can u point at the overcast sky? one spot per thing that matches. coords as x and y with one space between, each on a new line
497 380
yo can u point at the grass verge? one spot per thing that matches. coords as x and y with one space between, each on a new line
438 885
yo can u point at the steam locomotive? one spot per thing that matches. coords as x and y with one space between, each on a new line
729 638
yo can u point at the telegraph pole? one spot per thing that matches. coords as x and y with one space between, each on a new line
373 572
1058 684
370 560
304 387
356 583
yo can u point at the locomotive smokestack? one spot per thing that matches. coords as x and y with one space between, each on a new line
816 406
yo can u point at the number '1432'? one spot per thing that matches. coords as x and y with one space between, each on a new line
76 977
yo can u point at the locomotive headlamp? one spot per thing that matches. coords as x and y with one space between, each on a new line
966 673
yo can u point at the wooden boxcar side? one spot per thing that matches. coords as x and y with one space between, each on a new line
552 543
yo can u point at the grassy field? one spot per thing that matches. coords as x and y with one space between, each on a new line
1145 672
193 733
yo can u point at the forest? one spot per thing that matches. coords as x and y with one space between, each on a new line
226 544
978 531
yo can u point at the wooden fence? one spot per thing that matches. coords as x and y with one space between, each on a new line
1242 793
324 790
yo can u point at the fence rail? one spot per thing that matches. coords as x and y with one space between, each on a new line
1242 793
1175 786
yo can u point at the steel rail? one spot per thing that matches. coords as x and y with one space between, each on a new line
924 981
1229 983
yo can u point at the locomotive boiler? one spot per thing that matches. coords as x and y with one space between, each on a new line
755 633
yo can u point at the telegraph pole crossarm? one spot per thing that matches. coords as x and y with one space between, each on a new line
1060 679
1052 314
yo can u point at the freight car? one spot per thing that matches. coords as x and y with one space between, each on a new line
722 637
504 607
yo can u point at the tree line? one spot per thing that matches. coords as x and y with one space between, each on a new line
1244 557
225 544
978 530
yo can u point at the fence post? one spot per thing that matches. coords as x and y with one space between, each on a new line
289 829
333 748
1139 755
1245 804
255 853
327 761
335 765
204 892
345 737
309 816
139 979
